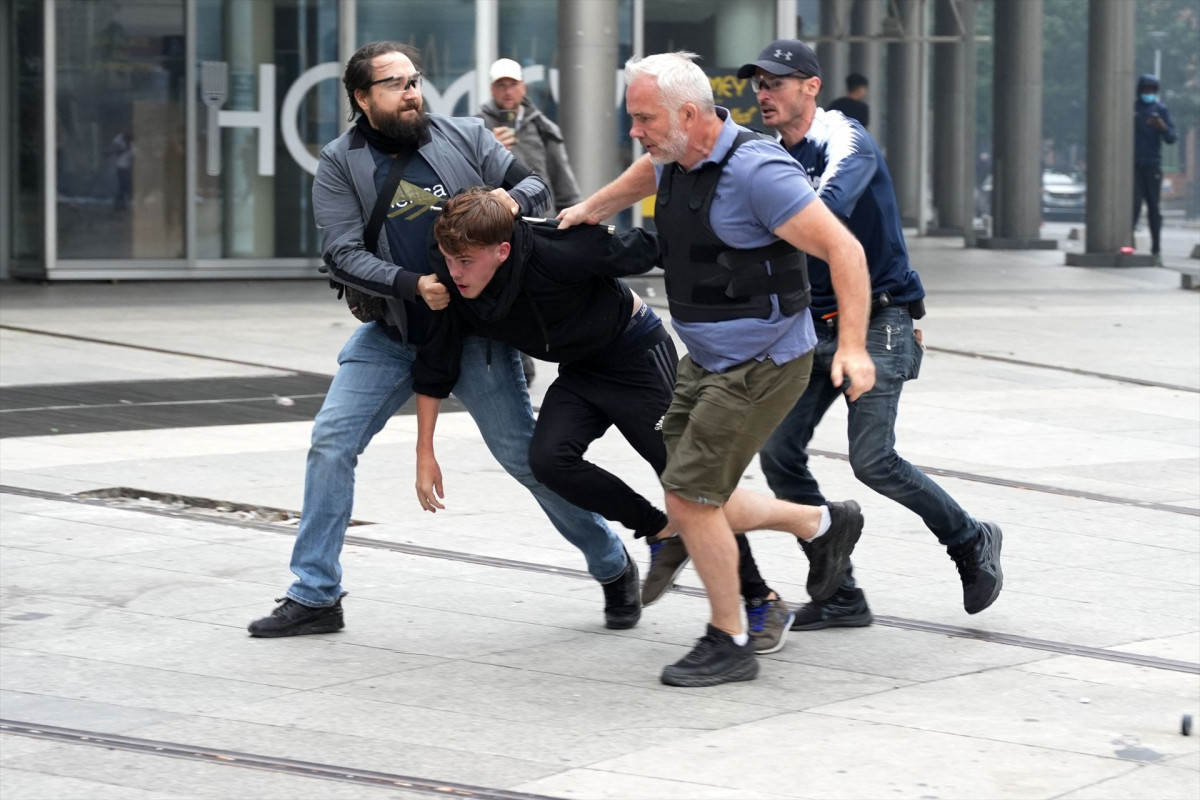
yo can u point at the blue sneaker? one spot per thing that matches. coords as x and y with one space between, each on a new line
769 622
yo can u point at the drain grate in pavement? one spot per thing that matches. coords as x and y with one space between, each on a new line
186 505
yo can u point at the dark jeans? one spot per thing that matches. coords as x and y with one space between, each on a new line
1147 186
631 389
872 432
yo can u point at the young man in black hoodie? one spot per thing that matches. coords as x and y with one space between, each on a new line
555 294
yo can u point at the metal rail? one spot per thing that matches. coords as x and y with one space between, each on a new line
1012 640
235 758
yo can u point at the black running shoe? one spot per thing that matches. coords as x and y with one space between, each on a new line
978 563
846 609
668 557
296 619
714 660
829 555
623 598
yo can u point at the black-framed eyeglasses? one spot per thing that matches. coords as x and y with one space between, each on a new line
397 83
775 82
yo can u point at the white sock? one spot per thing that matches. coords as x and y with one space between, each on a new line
824 524
741 639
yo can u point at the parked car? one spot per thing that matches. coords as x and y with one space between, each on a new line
1064 197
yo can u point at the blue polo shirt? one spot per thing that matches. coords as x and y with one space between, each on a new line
761 188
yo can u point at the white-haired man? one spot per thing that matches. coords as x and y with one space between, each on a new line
733 213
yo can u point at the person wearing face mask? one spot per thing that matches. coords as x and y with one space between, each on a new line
1151 127
415 161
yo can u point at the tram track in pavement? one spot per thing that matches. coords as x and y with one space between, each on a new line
237 758
44 410
420 786
110 500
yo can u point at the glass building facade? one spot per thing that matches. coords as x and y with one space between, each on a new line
175 139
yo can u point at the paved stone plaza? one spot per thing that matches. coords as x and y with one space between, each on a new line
1061 402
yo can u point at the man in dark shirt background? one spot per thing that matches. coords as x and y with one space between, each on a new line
853 103
1152 126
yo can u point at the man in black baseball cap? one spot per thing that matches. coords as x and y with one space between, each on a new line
848 169
784 57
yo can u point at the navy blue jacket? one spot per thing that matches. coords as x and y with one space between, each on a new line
847 170
1147 140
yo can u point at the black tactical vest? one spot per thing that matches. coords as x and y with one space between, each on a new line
707 280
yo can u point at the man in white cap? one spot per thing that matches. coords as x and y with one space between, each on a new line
535 141
528 133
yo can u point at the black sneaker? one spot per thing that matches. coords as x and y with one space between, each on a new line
978 563
714 660
829 555
668 557
622 598
846 609
296 619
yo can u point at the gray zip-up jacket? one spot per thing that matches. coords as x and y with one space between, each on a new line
540 146
461 151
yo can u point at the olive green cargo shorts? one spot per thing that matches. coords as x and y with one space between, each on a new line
718 421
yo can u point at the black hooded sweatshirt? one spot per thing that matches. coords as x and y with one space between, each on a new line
556 298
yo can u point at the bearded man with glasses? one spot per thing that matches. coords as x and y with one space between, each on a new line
413 161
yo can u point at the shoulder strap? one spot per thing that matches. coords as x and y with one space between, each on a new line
706 184
375 223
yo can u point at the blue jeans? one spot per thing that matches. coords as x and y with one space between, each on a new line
374 379
871 426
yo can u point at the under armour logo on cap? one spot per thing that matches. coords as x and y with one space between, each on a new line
784 57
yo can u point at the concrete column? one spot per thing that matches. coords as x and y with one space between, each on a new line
904 111
249 196
8 21
1017 129
1109 138
833 55
742 30
347 39
487 48
954 119
866 58
587 79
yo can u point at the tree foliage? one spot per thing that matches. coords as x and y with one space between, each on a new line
1064 65
1179 22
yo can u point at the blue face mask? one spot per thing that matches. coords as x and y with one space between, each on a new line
1148 98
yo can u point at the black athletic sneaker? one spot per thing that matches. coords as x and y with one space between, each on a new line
296 619
829 555
846 609
978 563
622 598
714 660
668 557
